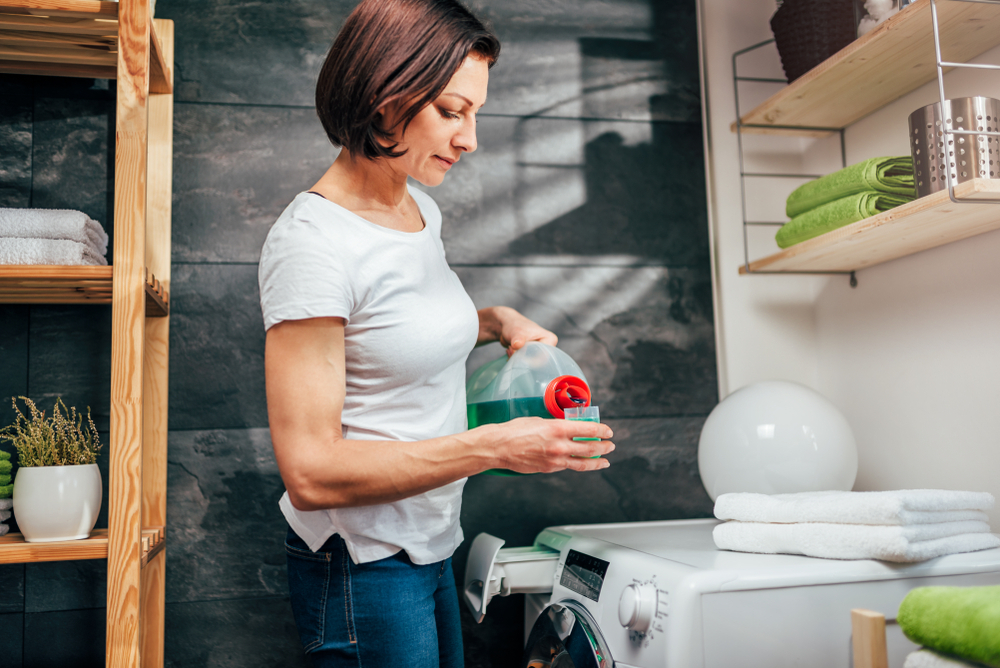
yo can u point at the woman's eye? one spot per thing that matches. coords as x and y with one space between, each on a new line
448 114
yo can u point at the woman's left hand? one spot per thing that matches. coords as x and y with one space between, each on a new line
511 329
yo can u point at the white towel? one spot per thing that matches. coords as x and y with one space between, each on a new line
908 506
855 541
3 528
4 515
53 224
925 658
6 504
48 251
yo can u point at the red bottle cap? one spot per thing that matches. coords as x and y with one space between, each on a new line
566 392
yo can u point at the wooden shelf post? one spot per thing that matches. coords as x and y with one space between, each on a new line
128 337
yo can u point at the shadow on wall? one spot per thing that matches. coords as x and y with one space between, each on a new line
641 207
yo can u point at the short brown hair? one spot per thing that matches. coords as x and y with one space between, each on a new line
390 50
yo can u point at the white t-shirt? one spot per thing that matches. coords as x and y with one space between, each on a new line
410 327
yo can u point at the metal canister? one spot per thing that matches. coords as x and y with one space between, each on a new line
966 156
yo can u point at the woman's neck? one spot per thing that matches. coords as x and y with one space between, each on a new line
371 189
358 183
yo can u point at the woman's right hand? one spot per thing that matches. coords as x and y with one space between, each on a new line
537 445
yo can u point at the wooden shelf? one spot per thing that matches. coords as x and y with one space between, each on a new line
890 61
14 549
918 225
37 284
70 38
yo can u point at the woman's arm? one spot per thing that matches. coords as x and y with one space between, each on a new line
510 328
305 372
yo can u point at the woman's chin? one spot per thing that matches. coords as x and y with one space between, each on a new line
429 180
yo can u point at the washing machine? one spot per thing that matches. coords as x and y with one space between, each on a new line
661 595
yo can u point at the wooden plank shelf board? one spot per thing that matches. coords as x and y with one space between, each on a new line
73 38
879 67
40 284
924 223
15 550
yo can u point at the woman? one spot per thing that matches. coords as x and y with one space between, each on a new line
368 331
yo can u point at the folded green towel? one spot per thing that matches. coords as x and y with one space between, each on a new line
6 491
962 621
892 176
836 214
4 479
4 454
5 467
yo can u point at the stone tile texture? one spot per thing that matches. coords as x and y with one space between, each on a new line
222 497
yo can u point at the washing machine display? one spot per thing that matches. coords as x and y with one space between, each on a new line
584 574
566 636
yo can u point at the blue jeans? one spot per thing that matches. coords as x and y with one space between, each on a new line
389 612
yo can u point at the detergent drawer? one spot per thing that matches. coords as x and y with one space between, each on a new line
493 571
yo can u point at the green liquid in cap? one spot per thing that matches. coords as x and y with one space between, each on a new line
585 419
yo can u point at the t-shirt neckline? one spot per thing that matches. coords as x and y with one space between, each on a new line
369 223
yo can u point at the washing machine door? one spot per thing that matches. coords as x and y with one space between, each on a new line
566 636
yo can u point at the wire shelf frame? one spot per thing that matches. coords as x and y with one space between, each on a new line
940 63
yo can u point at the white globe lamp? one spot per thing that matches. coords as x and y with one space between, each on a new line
776 437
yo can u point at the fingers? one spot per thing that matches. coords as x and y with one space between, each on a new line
577 464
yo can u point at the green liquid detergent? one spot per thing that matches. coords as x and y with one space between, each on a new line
585 419
495 412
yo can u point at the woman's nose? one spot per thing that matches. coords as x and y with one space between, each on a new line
465 139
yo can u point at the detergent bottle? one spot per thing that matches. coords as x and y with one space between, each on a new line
538 380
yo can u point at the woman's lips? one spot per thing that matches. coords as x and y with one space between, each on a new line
444 162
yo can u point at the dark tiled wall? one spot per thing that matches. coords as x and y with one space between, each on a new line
584 208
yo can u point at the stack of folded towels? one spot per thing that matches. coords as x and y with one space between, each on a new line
852 194
51 237
6 491
958 626
902 526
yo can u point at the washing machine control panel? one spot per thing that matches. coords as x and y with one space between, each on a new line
584 574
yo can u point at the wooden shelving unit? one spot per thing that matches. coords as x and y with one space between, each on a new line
890 61
893 59
71 38
96 39
14 549
918 225
72 285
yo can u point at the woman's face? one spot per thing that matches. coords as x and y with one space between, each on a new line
446 128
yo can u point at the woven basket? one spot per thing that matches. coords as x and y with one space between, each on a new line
807 32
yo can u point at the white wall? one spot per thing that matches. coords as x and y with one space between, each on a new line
912 355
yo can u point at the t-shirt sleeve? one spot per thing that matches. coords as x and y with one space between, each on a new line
301 275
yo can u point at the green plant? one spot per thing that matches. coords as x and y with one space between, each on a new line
60 440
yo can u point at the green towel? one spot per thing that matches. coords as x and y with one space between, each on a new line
836 214
5 466
891 176
4 479
962 621
4 454
6 491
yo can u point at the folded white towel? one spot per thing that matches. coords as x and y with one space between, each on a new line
3 528
855 541
6 504
908 506
4 515
925 658
48 251
53 224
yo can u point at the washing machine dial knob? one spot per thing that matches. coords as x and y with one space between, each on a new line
637 606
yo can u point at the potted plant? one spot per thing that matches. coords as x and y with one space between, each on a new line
57 490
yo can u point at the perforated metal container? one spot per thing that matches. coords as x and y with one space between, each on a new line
967 156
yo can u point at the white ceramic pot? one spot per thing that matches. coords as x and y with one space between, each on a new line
57 502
